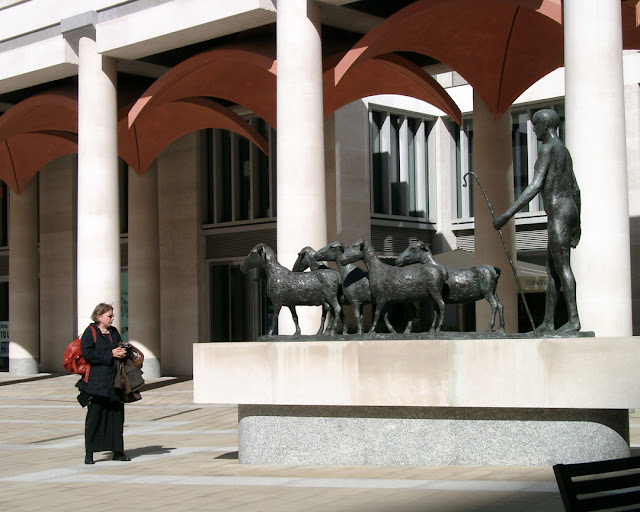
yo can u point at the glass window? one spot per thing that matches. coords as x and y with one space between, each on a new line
378 177
243 315
412 127
262 176
398 186
236 176
524 149
244 180
519 136
4 210
124 305
464 164
400 164
123 173
220 303
208 215
226 196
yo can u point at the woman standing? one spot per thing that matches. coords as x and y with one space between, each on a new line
104 425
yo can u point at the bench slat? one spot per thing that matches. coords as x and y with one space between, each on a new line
611 483
609 501
575 494
601 466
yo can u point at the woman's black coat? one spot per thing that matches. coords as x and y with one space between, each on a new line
99 355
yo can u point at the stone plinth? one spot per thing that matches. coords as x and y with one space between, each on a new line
444 402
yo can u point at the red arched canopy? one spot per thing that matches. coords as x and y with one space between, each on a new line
386 74
501 47
34 132
166 122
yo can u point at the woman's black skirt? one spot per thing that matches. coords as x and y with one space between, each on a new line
103 429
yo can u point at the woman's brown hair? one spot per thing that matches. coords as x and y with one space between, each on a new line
100 309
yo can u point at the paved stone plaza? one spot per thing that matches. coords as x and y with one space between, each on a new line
185 459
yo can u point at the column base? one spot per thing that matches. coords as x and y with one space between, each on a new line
439 436
23 366
151 368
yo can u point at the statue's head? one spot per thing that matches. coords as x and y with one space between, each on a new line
543 120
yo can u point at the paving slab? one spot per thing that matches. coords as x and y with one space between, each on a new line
185 459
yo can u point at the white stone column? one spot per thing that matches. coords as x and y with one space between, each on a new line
595 127
493 163
98 207
301 174
144 268
24 314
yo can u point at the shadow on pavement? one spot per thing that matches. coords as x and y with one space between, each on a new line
162 383
229 456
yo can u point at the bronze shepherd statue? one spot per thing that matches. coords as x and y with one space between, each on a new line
555 181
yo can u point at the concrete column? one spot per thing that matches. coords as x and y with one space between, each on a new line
144 268
182 275
24 314
347 157
444 239
347 183
57 260
301 175
493 163
632 109
98 219
595 112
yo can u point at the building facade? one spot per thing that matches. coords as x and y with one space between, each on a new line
148 146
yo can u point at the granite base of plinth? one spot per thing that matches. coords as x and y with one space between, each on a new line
425 401
317 435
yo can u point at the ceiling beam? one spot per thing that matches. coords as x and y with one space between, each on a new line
348 19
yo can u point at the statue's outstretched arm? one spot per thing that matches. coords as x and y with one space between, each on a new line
541 169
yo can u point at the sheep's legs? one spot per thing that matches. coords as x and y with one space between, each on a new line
335 316
410 311
379 307
295 319
387 323
274 320
496 307
325 310
436 326
500 312
357 311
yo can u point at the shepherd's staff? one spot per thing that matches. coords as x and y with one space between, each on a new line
513 267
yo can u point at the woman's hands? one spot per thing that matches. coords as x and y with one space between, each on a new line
119 352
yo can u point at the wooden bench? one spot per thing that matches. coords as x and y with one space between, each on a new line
599 485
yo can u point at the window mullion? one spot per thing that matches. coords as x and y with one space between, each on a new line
235 176
464 169
403 172
386 144
421 169
217 171
532 145
254 169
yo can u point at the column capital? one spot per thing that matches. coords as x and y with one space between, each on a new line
79 26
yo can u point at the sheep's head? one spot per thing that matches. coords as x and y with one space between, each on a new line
256 258
352 253
416 252
303 262
330 252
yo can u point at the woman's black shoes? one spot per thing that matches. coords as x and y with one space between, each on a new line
121 456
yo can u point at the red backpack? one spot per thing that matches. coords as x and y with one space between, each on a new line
73 361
